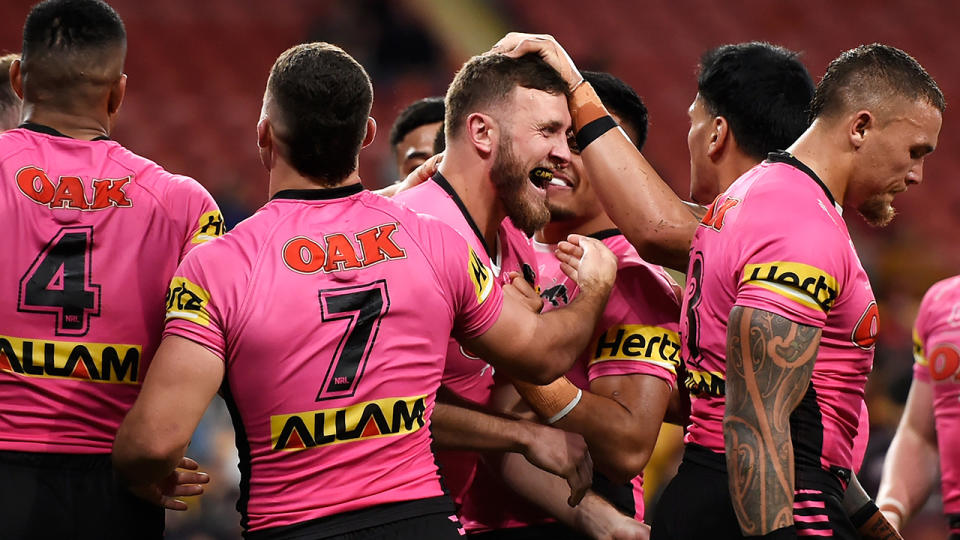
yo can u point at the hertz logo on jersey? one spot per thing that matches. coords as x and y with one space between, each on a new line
705 383
187 300
369 420
652 344
481 276
97 362
804 284
210 225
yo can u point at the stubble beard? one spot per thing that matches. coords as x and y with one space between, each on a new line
527 211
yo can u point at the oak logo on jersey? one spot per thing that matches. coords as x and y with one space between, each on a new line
715 214
71 192
864 334
705 383
210 225
652 344
96 362
944 362
187 300
337 252
804 284
372 419
481 276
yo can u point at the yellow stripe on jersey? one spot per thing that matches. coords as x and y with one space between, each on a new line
94 362
481 276
918 352
637 342
188 301
209 226
368 420
804 284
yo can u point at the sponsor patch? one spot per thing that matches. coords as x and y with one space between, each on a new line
804 284
95 362
187 300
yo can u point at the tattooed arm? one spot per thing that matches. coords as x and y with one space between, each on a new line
769 365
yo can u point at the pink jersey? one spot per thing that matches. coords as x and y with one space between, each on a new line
937 355
94 234
466 374
776 241
332 309
636 335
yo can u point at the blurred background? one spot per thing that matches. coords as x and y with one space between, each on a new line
197 70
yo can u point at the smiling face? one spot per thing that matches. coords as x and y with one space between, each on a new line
534 126
891 158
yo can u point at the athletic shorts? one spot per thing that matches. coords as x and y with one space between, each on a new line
423 519
954 521
696 503
70 497
544 531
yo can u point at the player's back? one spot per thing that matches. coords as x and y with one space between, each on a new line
332 309
93 235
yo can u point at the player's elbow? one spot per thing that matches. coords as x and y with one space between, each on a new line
625 463
135 454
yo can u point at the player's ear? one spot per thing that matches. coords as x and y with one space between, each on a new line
719 137
371 132
861 123
265 142
15 78
481 130
117 91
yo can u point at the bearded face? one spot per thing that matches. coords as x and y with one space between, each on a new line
524 203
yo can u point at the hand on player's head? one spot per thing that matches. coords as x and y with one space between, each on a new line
517 44
588 262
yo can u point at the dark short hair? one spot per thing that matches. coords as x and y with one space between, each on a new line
488 79
620 99
323 98
419 113
762 90
872 74
440 141
57 27
8 98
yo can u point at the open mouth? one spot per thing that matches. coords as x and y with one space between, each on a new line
540 177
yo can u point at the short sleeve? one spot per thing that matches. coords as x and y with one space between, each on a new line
477 298
201 218
194 306
639 328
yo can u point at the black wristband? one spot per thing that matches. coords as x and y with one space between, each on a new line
593 130
784 533
864 514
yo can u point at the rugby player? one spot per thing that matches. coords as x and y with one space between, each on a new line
926 431
324 320
9 100
94 234
414 131
876 115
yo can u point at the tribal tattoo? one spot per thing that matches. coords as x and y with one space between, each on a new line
769 365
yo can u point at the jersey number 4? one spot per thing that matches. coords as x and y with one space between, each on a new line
59 282
362 307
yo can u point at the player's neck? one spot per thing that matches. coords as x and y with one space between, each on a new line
818 148
478 195
734 166
284 177
555 231
83 127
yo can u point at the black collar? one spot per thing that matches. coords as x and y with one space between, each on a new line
787 157
604 234
40 128
319 194
443 183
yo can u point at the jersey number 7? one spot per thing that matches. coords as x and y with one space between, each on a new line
363 307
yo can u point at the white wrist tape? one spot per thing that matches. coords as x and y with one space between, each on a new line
566 410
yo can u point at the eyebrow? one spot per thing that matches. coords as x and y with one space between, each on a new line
552 125
414 153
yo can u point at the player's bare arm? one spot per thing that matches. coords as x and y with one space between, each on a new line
769 366
910 470
538 348
184 376
553 450
632 408
651 216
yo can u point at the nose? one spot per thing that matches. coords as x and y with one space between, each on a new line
560 151
915 174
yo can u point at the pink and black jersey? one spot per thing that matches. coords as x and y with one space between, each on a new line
332 309
93 234
466 374
776 241
937 362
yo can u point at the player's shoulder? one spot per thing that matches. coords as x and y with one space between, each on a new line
636 275
420 226
945 292
151 175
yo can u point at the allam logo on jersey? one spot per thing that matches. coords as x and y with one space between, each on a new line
705 383
187 300
481 276
368 420
71 192
804 284
210 225
337 252
96 362
652 344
